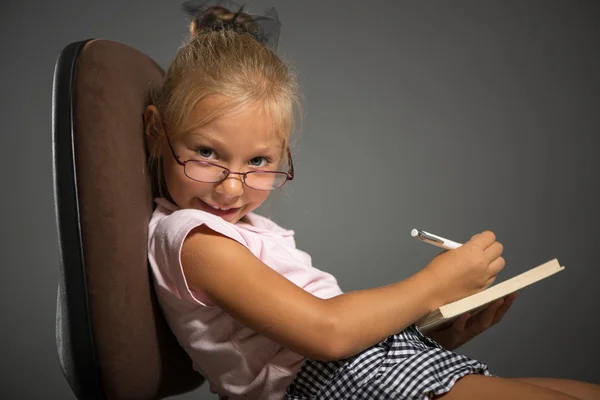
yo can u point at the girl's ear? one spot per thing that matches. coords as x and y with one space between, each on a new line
152 122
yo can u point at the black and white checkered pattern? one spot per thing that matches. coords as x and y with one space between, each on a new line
407 365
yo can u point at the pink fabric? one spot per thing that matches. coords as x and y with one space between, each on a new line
236 361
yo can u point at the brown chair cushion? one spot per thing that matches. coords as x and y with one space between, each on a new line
138 356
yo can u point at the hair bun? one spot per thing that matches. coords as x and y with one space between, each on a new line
217 17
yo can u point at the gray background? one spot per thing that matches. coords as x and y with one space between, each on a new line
452 117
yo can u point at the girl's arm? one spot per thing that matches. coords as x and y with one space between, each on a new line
265 301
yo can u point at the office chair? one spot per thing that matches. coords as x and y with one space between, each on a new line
111 337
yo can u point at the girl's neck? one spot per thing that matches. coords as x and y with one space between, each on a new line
244 219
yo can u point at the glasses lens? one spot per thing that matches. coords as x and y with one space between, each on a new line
265 180
204 172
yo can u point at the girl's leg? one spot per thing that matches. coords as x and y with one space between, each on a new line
493 388
581 390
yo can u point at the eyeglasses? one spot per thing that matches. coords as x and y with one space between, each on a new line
207 172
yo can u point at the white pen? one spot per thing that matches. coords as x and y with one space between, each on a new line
434 239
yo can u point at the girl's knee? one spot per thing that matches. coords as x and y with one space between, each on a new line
488 387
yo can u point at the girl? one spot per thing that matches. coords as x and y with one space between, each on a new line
257 319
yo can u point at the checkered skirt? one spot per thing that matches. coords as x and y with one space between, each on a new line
407 365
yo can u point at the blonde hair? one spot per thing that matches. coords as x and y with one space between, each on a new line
229 62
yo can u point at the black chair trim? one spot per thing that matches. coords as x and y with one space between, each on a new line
75 339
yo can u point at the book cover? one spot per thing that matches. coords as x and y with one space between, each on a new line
477 302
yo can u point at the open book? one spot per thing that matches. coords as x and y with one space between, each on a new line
477 302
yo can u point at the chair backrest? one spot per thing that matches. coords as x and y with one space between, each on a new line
112 339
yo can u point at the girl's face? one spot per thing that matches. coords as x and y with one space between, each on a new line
241 142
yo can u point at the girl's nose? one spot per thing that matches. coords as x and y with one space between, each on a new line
232 186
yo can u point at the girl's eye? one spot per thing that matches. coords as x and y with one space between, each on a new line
259 162
204 152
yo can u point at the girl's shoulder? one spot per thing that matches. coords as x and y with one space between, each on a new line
252 223
171 223
169 214
259 224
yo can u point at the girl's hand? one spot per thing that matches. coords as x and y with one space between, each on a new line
466 327
468 269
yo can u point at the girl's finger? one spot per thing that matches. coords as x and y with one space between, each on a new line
460 323
497 265
489 282
508 300
486 317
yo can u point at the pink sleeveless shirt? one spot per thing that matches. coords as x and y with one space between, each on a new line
236 361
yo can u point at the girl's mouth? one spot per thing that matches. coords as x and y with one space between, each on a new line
225 213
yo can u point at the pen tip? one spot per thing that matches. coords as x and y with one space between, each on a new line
414 233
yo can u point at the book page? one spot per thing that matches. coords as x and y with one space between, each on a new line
439 322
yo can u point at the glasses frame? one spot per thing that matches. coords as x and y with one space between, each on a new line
289 175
